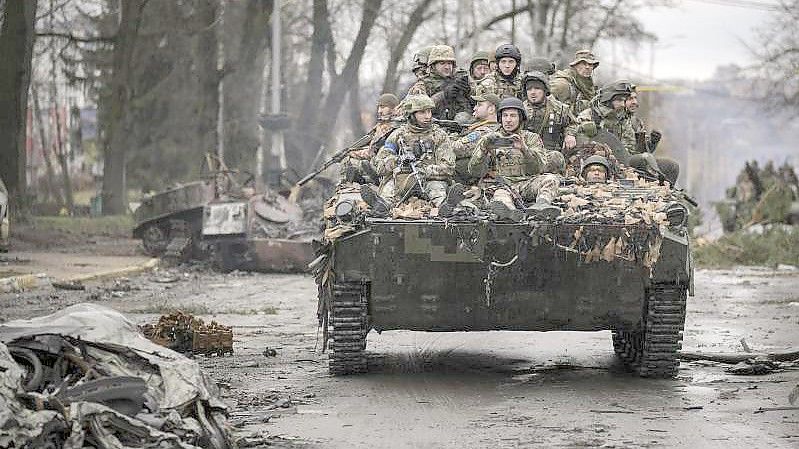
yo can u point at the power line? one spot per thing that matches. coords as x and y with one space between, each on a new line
748 4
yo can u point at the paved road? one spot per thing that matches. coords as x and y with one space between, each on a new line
492 389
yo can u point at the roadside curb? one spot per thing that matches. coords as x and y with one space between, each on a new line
31 281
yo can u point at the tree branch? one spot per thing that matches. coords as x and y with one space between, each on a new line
72 37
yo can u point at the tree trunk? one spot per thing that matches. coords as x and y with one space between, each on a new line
416 19
355 107
115 198
16 48
50 184
205 56
338 87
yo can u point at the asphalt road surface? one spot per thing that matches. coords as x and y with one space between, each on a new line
474 390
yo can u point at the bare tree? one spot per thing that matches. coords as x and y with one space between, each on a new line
778 60
415 20
16 49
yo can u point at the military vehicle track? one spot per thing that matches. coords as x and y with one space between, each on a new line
654 351
348 319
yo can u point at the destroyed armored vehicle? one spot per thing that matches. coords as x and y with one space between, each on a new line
618 258
237 227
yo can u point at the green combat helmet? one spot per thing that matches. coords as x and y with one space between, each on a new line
420 58
596 160
441 53
479 56
541 64
512 103
416 103
536 77
389 100
613 90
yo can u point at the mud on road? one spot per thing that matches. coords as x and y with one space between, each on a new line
489 389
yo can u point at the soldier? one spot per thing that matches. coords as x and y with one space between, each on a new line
596 170
608 112
478 67
417 154
485 116
506 80
357 166
448 90
510 162
575 85
647 142
546 116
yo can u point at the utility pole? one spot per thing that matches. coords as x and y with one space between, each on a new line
278 150
220 67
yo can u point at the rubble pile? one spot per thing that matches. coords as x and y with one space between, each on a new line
85 377
185 333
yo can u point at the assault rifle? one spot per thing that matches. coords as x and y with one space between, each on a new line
338 157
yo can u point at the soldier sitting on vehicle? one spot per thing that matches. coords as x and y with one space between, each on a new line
549 118
575 85
485 115
506 80
647 142
607 111
416 158
448 89
510 164
357 166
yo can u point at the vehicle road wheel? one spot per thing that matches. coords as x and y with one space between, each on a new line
348 320
155 239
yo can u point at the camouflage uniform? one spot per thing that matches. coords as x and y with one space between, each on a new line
357 166
551 120
463 148
435 86
615 122
435 162
523 171
569 87
499 85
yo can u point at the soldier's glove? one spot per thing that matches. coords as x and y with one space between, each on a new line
457 88
588 128
654 139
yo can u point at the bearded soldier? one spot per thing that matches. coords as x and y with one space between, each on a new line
505 80
448 90
416 155
608 112
485 121
546 116
510 163
575 85
357 166
647 142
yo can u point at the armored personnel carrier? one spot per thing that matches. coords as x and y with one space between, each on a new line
618 258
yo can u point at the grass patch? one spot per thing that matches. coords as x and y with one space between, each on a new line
112 225
775 245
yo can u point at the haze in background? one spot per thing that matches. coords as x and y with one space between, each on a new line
694 37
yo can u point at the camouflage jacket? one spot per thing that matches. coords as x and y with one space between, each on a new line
431 148
553 121
446 108
499 85
640 133
464 146
570 88
616 123
511 163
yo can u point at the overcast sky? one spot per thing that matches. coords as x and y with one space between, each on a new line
697 36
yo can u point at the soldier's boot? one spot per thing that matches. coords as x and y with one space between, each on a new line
369 173
543 209
376 203
455 195
505 213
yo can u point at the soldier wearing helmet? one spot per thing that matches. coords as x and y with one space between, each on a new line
510 163
505 80
416 153
647 142
608 112
575 85
596 170
448 89
479 66
546 116
357 166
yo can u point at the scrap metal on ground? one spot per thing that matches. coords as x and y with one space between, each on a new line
85 377
185 333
